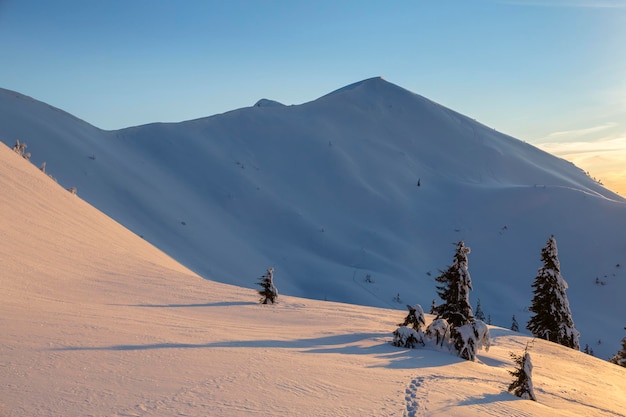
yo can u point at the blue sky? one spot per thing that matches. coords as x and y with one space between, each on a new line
551 72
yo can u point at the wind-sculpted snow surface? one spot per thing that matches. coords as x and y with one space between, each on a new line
354 197
96 321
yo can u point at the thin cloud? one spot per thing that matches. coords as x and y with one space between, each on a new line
590 146
578 133
603 159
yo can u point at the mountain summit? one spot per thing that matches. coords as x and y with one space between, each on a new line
356 197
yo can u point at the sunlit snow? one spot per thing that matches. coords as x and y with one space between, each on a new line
95 321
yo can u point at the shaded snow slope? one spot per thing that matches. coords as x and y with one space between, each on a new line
327 193
96 321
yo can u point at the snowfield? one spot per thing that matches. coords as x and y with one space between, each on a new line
97 322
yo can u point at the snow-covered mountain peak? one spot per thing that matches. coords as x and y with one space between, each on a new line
373 83
264 102
375 94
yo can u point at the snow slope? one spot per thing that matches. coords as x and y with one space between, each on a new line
96 321
326 192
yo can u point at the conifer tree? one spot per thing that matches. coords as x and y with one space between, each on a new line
479 312
454 291
470 338
406 337
410 334
620 357
20 148
514 324
415 318
552 318
268 291
522 386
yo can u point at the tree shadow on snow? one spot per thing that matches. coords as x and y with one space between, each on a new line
496 363
489 398
346 344
281 344
393 357
402 358
218 304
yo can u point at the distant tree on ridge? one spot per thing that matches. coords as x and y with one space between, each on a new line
479 315
514 324
268 291
20 149
620 357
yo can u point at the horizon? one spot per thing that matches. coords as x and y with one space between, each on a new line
546 72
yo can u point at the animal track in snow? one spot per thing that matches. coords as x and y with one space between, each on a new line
411 397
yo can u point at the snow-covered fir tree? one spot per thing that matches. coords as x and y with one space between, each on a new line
552 319
454 291
268 291
620 357
522 386
410 334
514 324
415 318
470 338
479 315
20 148
407 337
439 331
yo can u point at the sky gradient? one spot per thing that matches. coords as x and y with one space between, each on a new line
550 72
